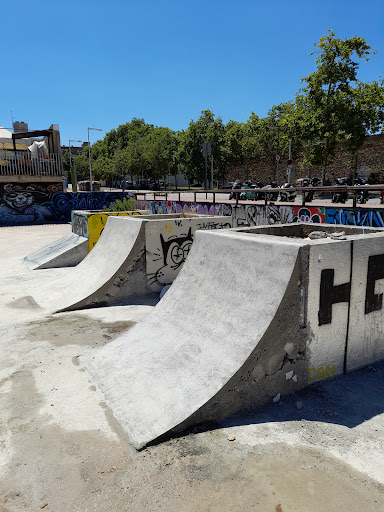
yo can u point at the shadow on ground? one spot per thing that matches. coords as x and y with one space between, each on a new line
347 400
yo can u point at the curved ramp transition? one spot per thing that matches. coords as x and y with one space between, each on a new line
134 259
190 359
114 266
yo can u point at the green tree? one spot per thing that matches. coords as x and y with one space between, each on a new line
122 151
190 156
365 106
65 160
159 150
103 169
82 165
322 102
137 160
234 141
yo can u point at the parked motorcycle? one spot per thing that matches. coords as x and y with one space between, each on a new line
236 186
362 196
273 196
245 195
258 196
339 196
313 182
286 194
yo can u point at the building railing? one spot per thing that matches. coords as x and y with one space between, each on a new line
12 164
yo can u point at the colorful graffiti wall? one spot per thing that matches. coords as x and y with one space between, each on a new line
41 203
242 214
164 207
27 203
258 215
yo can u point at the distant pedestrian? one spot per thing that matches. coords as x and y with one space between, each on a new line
123 185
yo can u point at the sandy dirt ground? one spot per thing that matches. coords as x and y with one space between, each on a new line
61 449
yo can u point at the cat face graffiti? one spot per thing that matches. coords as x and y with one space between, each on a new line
175 251
18 200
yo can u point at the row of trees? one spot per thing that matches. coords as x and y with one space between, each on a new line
333 106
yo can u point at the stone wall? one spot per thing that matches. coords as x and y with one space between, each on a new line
371 158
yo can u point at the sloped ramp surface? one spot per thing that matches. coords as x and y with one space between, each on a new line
118 254
169 368
68 251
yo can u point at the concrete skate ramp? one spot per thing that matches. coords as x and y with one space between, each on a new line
133 260
68 251
180 362
118 252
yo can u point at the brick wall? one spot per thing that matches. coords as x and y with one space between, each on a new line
371 158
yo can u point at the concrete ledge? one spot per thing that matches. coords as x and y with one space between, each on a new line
68 251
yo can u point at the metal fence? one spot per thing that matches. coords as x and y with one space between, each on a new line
15 164
265 195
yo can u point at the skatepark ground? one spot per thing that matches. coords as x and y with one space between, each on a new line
321 449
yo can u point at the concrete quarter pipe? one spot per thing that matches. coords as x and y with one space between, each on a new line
134 258
253 314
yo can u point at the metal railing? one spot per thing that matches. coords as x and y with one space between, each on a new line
265 193
12 164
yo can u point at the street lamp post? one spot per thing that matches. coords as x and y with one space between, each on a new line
207 151
89 156
289 167
277 118
74 183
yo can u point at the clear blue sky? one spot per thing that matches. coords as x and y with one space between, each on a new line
98 64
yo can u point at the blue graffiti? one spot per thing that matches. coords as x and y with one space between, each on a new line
369 218
34 207
63 203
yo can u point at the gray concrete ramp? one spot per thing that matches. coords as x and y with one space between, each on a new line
68 251
119 252
187 360
134 259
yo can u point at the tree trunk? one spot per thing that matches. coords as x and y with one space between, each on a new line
355 161
325 161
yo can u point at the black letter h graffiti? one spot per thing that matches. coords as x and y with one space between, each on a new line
330 294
